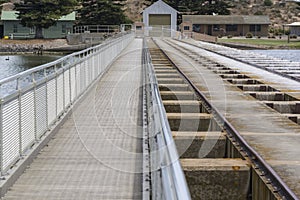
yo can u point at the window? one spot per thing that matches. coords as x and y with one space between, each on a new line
63 28
139 27
216 27
233 27
186 28
15 28
196 28
32 30
255 28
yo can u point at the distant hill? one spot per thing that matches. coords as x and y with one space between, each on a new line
280 12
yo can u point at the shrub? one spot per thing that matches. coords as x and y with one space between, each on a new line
268 2
220 36
249 35
258 13
293 36
287 32
229 36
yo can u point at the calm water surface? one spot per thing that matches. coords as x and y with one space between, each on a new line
292 55
13 64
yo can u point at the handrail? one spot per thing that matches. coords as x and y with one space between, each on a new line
58 61
96 28
37 99
167 177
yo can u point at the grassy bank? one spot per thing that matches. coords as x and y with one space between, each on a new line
263 43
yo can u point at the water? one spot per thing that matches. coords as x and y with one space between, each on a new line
292 55
14 64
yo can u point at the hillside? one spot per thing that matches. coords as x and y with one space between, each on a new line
279 13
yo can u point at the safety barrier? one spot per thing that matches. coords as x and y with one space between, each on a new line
167 177
32 102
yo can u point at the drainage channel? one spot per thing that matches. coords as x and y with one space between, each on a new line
283 103
231 169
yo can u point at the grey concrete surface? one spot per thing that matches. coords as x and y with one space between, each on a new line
270 133
97 154
212 179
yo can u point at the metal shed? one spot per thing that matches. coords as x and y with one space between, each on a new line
160 19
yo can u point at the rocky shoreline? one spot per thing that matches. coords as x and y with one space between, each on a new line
31 46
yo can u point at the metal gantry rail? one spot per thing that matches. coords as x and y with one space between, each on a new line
167 177
33 102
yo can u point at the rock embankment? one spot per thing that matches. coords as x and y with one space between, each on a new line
23 46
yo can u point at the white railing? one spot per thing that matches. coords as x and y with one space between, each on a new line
96 29
167 177
32 102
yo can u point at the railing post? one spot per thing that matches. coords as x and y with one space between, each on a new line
1 137
64 92
20 116
70 81
56 95
46 91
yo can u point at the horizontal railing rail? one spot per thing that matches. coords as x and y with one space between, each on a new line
167 177
96 29
32 102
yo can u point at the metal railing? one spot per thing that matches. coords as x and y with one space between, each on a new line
167 177
32 102
97 29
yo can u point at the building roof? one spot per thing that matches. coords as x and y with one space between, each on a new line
160 7
227 19
294 24
13 16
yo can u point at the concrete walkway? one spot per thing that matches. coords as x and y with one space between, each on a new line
97 154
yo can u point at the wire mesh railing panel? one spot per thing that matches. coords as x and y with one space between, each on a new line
51 101
67 92
11 131
27 120
60 94
73 84
41 111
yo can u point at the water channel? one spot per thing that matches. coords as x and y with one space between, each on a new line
13 64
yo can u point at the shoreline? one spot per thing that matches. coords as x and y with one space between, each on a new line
53 46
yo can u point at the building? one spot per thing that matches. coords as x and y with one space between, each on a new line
235 25
13 29
160 19
294 28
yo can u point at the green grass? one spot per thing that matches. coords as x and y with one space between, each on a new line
267 43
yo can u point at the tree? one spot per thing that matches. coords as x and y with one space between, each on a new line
104 12
43 13
198 7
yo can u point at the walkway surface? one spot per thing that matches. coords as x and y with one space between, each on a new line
97 154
